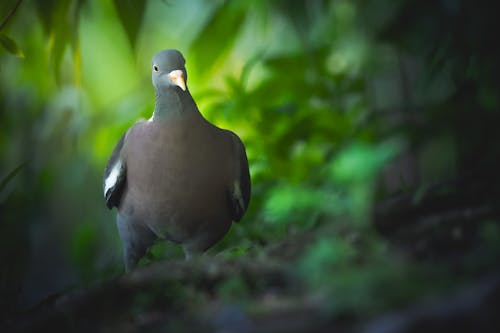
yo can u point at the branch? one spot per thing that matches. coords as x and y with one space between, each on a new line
10 15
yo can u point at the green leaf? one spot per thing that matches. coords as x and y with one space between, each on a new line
361 162
288 204
130 13
323 258
60 22
10 46
224 24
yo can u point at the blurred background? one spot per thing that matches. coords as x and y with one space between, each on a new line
341 105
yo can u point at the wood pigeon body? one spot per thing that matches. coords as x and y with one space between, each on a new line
175 176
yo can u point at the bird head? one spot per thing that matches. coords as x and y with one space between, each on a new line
168 71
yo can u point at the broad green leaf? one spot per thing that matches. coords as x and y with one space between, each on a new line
224 25
45 10
131 13
10 45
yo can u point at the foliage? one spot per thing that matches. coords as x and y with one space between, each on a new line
10 45
328 97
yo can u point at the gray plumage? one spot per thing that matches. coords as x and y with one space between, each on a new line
175 176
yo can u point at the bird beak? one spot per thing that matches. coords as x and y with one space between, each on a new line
177 77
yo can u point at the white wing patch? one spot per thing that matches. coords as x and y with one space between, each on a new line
112 178
238 195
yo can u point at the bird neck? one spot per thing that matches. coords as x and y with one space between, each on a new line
172 103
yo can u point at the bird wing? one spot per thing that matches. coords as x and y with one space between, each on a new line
115 175
239 190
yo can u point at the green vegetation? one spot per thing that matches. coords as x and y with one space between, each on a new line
341 105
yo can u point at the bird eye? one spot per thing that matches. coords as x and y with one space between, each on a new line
155 68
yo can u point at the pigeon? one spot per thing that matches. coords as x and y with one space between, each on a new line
175 176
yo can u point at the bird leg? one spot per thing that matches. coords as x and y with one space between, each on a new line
136 239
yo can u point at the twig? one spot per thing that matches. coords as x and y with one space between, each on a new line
10 14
